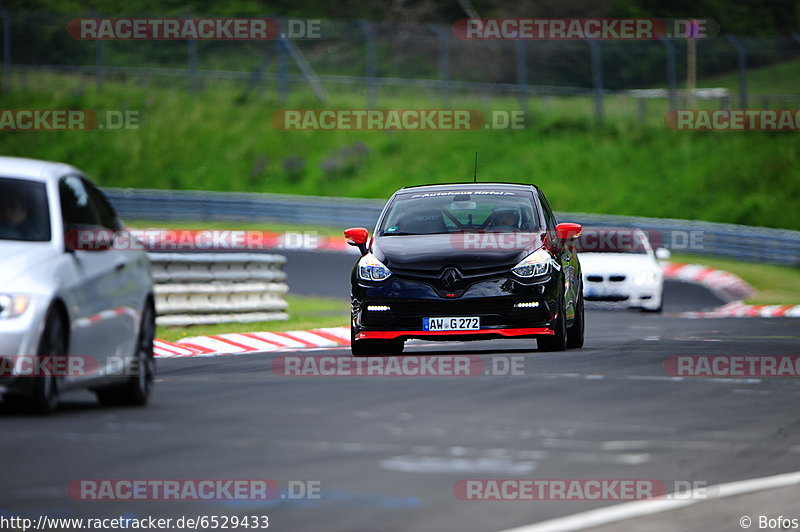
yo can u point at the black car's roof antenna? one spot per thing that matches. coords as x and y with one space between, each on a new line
475 171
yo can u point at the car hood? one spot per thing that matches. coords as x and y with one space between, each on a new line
601 263
468 251
17 258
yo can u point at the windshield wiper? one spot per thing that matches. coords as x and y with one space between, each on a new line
398 233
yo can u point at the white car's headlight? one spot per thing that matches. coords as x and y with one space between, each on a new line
645 278
13 305
371 269
536 264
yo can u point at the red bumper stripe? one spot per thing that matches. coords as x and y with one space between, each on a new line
389 335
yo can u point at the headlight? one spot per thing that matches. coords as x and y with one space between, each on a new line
13 305
644 278
534 265
371 269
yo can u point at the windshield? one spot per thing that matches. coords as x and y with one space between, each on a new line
618 241
457 211
24 214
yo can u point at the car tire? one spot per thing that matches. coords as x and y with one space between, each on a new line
138 387
575 332
371 348
393 347
557 341
361 348
46 389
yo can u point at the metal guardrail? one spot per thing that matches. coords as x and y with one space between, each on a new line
755 244
203 288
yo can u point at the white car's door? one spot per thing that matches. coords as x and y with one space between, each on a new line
131 281
103 325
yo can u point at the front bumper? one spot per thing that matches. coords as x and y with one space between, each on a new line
19 342
482 334
395 309
623 293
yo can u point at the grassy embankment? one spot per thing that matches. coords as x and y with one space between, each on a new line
216 140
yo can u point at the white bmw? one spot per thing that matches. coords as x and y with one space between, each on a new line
621 268
70 317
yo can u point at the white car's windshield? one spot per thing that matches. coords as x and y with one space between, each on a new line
24 213
438 213
611 241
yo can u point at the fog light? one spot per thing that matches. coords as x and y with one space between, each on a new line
527 304
377 308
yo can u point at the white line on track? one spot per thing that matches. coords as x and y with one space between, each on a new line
629 510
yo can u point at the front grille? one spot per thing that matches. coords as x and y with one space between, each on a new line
460 307
594 278
451 279
472 273
616 278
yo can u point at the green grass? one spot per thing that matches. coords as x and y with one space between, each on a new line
775 285
304 313
780 78
217 140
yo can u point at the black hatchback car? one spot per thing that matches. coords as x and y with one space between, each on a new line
466 261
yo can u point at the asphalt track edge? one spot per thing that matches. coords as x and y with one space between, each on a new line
634 509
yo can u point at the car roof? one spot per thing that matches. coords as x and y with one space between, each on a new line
33 169
467 185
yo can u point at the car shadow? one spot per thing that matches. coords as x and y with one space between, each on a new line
64 407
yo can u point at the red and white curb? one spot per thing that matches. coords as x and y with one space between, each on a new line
240 343
107 315
737 309
729 287
725 284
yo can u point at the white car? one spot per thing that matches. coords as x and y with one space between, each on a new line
620 267
70 316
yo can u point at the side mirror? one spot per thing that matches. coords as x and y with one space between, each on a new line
357 236
663 254
568 230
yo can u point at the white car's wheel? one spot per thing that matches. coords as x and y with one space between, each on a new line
46 388
138 387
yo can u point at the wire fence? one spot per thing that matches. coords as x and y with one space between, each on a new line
372 58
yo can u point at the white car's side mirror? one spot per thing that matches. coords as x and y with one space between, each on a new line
663 254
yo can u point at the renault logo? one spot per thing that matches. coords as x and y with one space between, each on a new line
451 277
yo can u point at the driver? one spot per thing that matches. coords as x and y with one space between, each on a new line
505 219
13 214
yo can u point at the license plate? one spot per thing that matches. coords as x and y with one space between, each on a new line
451 324
602 292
